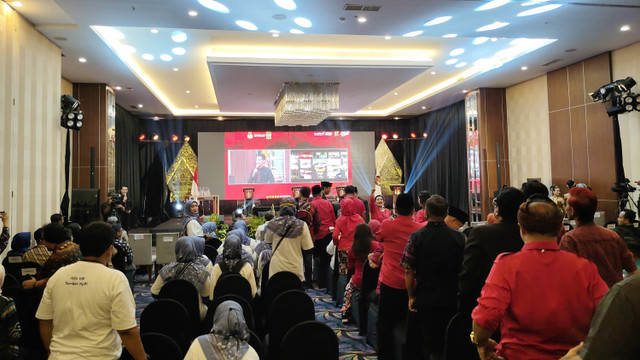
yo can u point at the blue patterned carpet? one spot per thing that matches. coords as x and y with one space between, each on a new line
352 346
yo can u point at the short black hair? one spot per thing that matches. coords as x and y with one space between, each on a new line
305 191
349 189
629 215
437 206
316 190
55 233
268 216
508 202
325 184
37 235
55 218
404 204
424 196
532 187
96 238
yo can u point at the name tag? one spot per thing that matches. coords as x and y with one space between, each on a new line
28 271
567 227
15 259
611 226
138 236
167 239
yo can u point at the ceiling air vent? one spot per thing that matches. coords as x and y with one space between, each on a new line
357 7
133 107
552 62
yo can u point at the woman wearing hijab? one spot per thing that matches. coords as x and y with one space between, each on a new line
10 331
199 245
191 220
246 255
228 339
233 261
20 244
344 230
187 268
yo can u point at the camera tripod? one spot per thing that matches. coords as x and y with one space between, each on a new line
624 200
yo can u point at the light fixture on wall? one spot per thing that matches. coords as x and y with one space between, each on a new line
305 104
70 115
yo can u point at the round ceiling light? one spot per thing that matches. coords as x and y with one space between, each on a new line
166 57
302 22
215 6
286 4
178 51
438 20
413 33
247 25
179 36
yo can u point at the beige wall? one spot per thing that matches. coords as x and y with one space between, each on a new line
626 62
32 141
528 124
66 87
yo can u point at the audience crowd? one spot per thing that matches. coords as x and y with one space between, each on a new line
529 284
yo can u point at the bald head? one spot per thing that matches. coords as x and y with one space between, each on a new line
540 216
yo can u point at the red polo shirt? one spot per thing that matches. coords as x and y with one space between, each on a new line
542 298
394 233
324 217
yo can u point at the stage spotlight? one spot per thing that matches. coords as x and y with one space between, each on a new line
71 116
385 136
142 137
174 138
155 137
187 138
424 135
395 136
178 206
413 135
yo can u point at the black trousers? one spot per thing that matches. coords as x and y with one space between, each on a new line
321 260
392 309
426 331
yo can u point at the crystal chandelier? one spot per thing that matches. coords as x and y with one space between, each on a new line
305 104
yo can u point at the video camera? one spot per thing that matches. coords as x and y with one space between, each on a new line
623 187
116 198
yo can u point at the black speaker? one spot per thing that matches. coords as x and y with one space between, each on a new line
85 205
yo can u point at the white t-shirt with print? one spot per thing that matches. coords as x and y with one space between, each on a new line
87 302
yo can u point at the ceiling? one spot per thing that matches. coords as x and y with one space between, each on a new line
224 71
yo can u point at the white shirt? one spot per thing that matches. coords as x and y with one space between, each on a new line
288 256
194 228
87 302
195 353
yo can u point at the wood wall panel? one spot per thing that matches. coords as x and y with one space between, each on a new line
575 77
558 89
594 76
601 151
579 146
560 147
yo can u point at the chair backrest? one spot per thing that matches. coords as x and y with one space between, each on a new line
457 344
165 248
288 309
256 344
214 243
369 284
279 283
186 294
247 311
314 339
264 277
9 281
12 265
210 252
141 247
233 284
160 346
168 317
29 269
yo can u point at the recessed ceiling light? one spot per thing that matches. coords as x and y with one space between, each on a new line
396 118
462 64
395 93
302 22
495 25
193 13
464 91
491 5
113 33
196 106
275 35
274 31
433 73
179 36
220 118
286 4
438 20
540 10
523 68
215 6
387 37
413 33
247 25
361 19
494 39
156 118
450 36
154 31
480 40
625 28
175 69
424 107
148 57
451 61
166 57
456 52
82 60
139 106
118 88
16 4
188 92
178 51
296 31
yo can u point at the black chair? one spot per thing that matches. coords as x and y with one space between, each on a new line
214 243
10 281
211 252
256 344
168 317
369 284
12 265
29 270
233 284
287 310
157 346
26 302
279 283
264 278
186 294
312 338
247 311
456 343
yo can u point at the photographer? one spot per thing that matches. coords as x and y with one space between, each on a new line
113 207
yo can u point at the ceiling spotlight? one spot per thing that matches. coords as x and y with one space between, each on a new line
625 28
424 108
438 20
451 61
464 91
413 33
433 73
118 87
275 35
456 52
166 57
196 106
174 138
155 137
361 19
220 118
523 68
16 4
82 60
396 118
413 135
140 106
387 37
395 136
480 40
178 51
385 136
141 137
493 26
247 25
193 13
148 57
491 5
450 36
179 36
286 4
302 22
215 6
156 118
154 31
296 31
175 69
424 135
187 138
188 91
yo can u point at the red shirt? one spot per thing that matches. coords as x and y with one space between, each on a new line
375 213
394 233
346 224
602 246
324 218
419 217
357 264
542 298
359 205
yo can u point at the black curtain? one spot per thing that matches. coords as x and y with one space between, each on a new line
440 160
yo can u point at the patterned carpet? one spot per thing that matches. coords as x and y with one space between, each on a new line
352 346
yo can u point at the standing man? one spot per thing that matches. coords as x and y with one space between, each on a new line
393 236
100 299
600 245
433 256
324 222
128 205
351 192
261 174
113 207
326 188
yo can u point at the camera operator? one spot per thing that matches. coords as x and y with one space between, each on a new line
113 207
128 206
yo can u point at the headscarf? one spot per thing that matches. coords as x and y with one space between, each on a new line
21 242
287 220
349 211
185 267
187 216
375 226
246 256
198 243
229 335
232 251
2 274
240 227
209 228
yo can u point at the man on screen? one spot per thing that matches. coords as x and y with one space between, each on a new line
261 174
